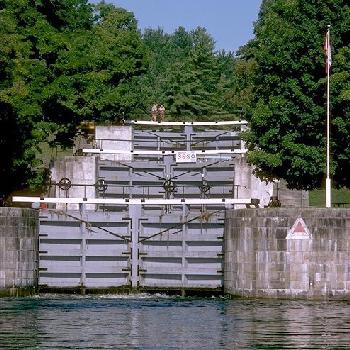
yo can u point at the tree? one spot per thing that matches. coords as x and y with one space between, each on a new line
61 61
22 77
235 88
92 76
286 139
185 74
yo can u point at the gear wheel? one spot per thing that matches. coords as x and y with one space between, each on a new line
65 184
169 186
101 185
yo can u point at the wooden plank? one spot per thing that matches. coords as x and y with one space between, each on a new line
228 122
132 201
164 153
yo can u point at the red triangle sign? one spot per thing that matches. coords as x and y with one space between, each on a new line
299 230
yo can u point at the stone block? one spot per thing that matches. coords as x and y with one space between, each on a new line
18 240
319 262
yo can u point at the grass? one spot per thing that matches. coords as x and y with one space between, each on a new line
340 198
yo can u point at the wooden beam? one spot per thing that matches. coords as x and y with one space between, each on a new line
132 201
164 153
151 123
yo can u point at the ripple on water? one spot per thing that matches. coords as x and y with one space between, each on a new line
157 322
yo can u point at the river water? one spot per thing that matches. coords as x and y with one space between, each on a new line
159 322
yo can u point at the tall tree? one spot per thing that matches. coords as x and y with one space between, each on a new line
185 73
91 76
288 121
61 61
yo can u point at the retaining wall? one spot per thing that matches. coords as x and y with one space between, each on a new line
114 138
18 250
287 253
290 198
82 172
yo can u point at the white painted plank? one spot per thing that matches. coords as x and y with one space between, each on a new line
198 153
227 122
132 201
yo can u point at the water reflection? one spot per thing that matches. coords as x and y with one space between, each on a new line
169 323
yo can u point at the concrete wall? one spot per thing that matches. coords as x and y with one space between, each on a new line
18 249
290 198
247 185
270 253
116 138
80 171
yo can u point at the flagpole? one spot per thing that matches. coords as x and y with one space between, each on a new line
328 179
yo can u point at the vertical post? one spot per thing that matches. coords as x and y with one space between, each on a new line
83 247
188 132
328 66
135 215
131 170
185 212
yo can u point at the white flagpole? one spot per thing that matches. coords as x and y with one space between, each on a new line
328 179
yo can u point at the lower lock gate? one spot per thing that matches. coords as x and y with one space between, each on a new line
165 248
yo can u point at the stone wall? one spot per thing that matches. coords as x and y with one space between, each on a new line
287 253
18 250
290 198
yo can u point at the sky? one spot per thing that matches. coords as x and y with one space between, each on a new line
229 22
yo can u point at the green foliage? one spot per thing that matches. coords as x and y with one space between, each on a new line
288 115
92 74
61 61
185 74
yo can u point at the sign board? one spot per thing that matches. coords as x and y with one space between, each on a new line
186 157
299 230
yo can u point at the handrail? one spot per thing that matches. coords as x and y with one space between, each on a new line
152 123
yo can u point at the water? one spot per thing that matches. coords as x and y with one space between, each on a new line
159 322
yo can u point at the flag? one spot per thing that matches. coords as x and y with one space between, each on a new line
328 52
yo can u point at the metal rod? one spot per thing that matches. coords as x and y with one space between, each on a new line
179 224
88 224
328 179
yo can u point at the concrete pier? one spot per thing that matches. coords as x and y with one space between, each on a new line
82 173
287 253
18 251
